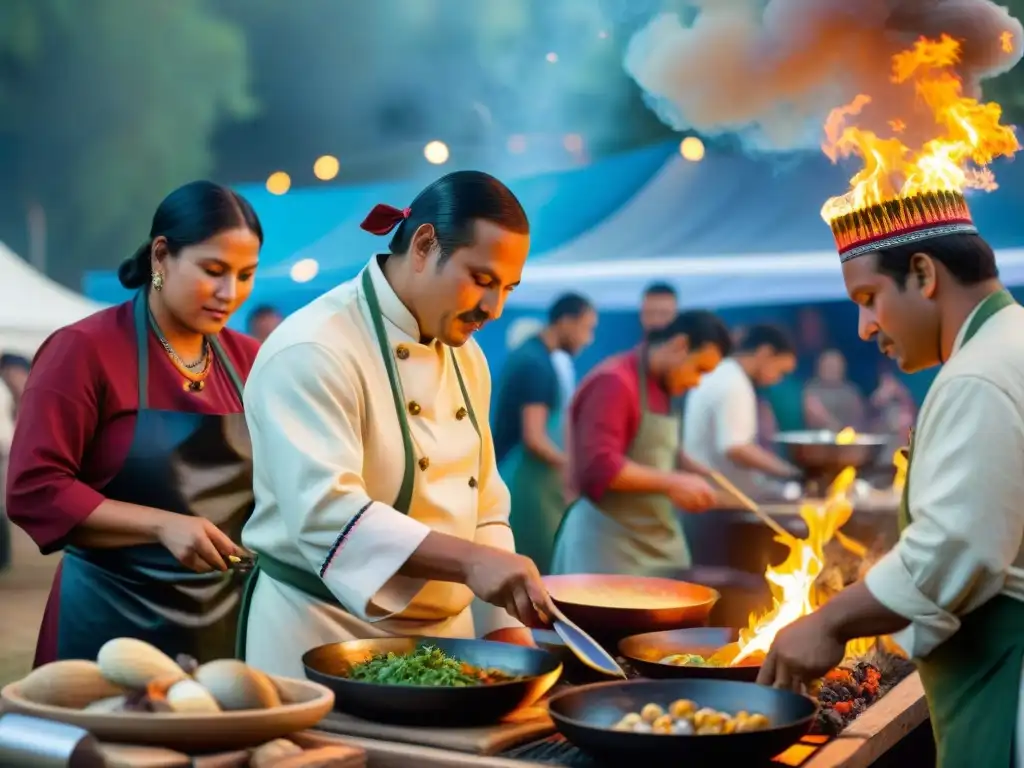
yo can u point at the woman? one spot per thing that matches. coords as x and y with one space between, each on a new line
131 453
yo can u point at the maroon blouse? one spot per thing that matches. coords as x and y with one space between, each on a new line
76 421
604 419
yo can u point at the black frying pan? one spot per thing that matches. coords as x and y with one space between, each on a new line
586 716
644 653
429 705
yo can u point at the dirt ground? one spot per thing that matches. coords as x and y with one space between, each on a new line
23 590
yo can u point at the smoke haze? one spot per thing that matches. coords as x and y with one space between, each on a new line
770 71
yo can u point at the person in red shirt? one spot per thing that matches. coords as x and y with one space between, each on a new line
624 452
131 453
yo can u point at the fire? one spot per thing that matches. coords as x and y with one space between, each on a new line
1006 41
792 581
969 135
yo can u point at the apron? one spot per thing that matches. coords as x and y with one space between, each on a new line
972 681
538 495
309 582
635 534
188 464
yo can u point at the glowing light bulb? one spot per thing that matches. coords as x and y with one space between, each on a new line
436 152
278 183
304 270
692 149
326 168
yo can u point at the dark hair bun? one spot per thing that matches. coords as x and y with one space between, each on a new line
137 270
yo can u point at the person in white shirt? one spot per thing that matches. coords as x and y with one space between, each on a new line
379 507
721 416
953 586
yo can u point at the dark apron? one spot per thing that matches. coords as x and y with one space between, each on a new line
186 463
309 582
972 681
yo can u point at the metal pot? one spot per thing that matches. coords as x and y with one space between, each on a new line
818 451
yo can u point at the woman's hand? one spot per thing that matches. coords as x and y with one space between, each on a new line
196 543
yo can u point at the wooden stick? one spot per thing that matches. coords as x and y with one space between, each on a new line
750 504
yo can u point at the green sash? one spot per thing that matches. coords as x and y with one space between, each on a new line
310 582
972 681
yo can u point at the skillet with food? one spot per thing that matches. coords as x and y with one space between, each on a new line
702 652
432 681
681 722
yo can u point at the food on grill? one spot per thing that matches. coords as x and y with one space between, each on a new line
723 657
685 718
133 676
427 665
690 660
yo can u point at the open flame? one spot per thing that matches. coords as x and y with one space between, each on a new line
970 135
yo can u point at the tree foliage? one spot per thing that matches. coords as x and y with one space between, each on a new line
104 107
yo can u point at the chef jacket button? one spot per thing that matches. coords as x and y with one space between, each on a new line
424 463
402 352
461 414
472 482
414 408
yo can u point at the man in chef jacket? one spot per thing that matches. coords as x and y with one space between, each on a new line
379 507
953 587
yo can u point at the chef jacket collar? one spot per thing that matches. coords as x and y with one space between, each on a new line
390 305
959 341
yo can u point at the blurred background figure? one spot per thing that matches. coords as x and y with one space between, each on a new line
528 428
721 418
14 375
831 401
262 321
658 307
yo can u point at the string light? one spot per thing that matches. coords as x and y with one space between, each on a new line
436 152
517 144
552 58
692 149
278 183
326 167
304 270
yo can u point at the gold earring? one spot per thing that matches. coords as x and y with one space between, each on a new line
158 281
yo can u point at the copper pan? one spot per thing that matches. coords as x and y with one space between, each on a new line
612 607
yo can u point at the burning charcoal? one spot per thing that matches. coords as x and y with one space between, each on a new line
859 706
830 722
187 663
828 696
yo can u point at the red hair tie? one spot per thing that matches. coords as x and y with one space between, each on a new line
383 218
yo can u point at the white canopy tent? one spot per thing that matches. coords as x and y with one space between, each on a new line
32 306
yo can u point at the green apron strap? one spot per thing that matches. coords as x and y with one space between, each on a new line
141 311
404 500
465 395
222 356
642 371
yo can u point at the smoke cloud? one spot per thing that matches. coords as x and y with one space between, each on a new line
770 71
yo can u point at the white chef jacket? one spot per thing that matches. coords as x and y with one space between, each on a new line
965 544
328 464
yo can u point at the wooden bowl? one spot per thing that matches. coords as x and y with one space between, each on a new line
307 705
